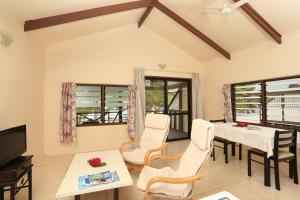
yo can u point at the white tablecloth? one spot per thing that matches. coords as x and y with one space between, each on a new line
262 138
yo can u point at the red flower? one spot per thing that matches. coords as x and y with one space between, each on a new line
243 124
95 162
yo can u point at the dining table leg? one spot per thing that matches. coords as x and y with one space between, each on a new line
267 172
77 197
233 149
240 151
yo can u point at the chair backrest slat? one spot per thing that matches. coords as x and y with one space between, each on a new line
286 145
284 139
218 120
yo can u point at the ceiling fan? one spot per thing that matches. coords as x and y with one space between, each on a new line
227 8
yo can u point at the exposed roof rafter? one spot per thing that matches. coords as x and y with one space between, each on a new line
145 15
192 29
84 14
249 10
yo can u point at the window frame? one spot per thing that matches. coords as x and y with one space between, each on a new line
102 106
264 121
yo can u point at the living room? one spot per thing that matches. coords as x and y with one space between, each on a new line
108 50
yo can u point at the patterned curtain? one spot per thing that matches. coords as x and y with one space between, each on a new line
131 111
140 110
227 103
68 113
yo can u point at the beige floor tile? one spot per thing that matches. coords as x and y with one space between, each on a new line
218 176
44 172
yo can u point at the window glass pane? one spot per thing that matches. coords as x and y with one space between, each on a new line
178 108
116 101
247 105
154 95
88 102
283 101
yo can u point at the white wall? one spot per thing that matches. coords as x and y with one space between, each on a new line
268 60
106 57
21 85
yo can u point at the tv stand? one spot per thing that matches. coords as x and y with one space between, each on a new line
16 175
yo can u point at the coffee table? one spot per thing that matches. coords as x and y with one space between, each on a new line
79 167
221 196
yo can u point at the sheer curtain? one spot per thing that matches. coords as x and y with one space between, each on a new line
140 102
197 97
227 103
68 113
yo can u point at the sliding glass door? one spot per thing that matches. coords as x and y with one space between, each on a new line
171 96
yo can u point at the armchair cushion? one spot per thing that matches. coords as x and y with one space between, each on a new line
135 156
157 121
154 136
202 133
178 190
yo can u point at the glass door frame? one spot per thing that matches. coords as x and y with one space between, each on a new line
190 99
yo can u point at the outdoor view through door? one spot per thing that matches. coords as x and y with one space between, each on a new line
171 96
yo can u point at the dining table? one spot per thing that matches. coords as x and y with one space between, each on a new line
254 136
259 137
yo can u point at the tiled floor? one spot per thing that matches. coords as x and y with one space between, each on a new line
218 176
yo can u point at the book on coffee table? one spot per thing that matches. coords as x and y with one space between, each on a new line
98 179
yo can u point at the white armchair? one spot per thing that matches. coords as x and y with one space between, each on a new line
178 183
152 142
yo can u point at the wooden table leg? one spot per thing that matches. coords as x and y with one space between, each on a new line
267 177
30 184
77 197
12 192
1 193
116 194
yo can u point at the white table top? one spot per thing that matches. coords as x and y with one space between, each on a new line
221 196
79 166
262 138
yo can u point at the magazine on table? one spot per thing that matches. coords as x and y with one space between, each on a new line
98 179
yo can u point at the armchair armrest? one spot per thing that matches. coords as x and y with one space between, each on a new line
125 144
159 179
149 152
164 156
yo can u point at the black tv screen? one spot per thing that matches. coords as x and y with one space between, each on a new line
12 143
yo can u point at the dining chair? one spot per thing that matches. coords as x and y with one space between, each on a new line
169 183
153 141
225 143
282 141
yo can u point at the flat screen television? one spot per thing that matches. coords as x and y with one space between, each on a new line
12 143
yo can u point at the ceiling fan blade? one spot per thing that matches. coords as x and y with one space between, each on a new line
239 4
210 11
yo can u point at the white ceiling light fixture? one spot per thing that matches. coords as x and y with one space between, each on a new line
5 38
162 66
227 8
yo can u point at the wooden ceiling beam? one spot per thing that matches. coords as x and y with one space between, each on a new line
249 10
191 28
145 15
84 14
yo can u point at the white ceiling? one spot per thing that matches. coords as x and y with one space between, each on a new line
233 33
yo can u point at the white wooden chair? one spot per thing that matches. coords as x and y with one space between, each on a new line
178 183
153 141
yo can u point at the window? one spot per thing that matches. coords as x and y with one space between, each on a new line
283 101
268 102
171 96
101 104
247 104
